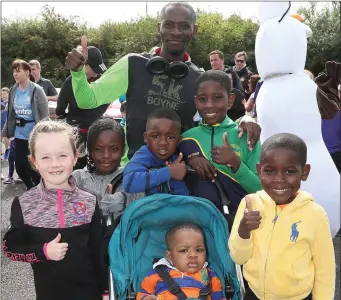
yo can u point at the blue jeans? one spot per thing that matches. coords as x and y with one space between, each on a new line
11 158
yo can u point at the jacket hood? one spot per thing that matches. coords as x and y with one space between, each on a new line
301 199
166 262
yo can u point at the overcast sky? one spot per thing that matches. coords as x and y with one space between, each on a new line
95 13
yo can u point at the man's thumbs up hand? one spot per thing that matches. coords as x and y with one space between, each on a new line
75 59
84 44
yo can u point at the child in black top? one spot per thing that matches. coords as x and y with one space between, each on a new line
56 226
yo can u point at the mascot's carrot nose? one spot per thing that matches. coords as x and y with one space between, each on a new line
298 17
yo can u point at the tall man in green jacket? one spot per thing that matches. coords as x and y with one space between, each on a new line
165 78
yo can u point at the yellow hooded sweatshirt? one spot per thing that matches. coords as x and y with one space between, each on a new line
291 254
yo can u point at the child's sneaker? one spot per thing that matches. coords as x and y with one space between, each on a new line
9 180
2 177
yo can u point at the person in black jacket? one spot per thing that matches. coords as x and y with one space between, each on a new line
56 226
165 78
82 118
242 71
216 58
237 109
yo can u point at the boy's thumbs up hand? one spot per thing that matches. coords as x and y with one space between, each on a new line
248 206
179 158
224 155
250 221
109 189
75 59
177 168
56 250
225 141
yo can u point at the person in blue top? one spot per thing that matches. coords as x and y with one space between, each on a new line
27 105
155 168
4 101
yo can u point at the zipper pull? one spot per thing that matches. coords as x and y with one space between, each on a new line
276 216
212 137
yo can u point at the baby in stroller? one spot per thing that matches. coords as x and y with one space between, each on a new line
138 244
183 273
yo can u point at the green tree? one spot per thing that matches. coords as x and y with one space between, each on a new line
325 42
230 36
47 39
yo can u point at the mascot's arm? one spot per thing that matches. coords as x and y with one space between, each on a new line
327 93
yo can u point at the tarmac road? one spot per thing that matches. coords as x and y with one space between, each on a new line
17 278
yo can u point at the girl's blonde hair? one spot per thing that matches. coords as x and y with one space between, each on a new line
52 126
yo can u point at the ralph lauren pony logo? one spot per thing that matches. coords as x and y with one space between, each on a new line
294 232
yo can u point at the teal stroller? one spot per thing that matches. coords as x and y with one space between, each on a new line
140 238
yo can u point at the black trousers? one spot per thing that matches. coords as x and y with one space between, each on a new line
336 156
22 165
251 296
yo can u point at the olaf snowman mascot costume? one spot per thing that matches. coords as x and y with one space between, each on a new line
286 102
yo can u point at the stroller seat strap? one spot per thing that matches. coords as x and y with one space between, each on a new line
175 289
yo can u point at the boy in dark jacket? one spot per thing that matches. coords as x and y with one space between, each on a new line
214 150
154 167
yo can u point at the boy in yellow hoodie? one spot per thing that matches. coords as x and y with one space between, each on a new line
280 235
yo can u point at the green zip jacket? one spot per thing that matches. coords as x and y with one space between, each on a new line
200 140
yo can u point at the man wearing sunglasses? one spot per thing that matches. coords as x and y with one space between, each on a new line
164 78
243 72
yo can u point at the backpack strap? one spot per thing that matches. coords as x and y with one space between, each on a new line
116 181
175 289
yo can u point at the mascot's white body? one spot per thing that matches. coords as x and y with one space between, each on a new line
286 103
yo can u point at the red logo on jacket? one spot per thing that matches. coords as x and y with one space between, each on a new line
79 210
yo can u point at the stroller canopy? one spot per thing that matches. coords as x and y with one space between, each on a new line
140 237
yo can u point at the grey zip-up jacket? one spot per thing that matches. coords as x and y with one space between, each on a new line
39 105
97 184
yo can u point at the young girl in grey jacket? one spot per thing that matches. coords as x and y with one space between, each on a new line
105 147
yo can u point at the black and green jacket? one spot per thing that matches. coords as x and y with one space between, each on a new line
200 140
144 92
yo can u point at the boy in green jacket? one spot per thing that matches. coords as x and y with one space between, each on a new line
214 150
